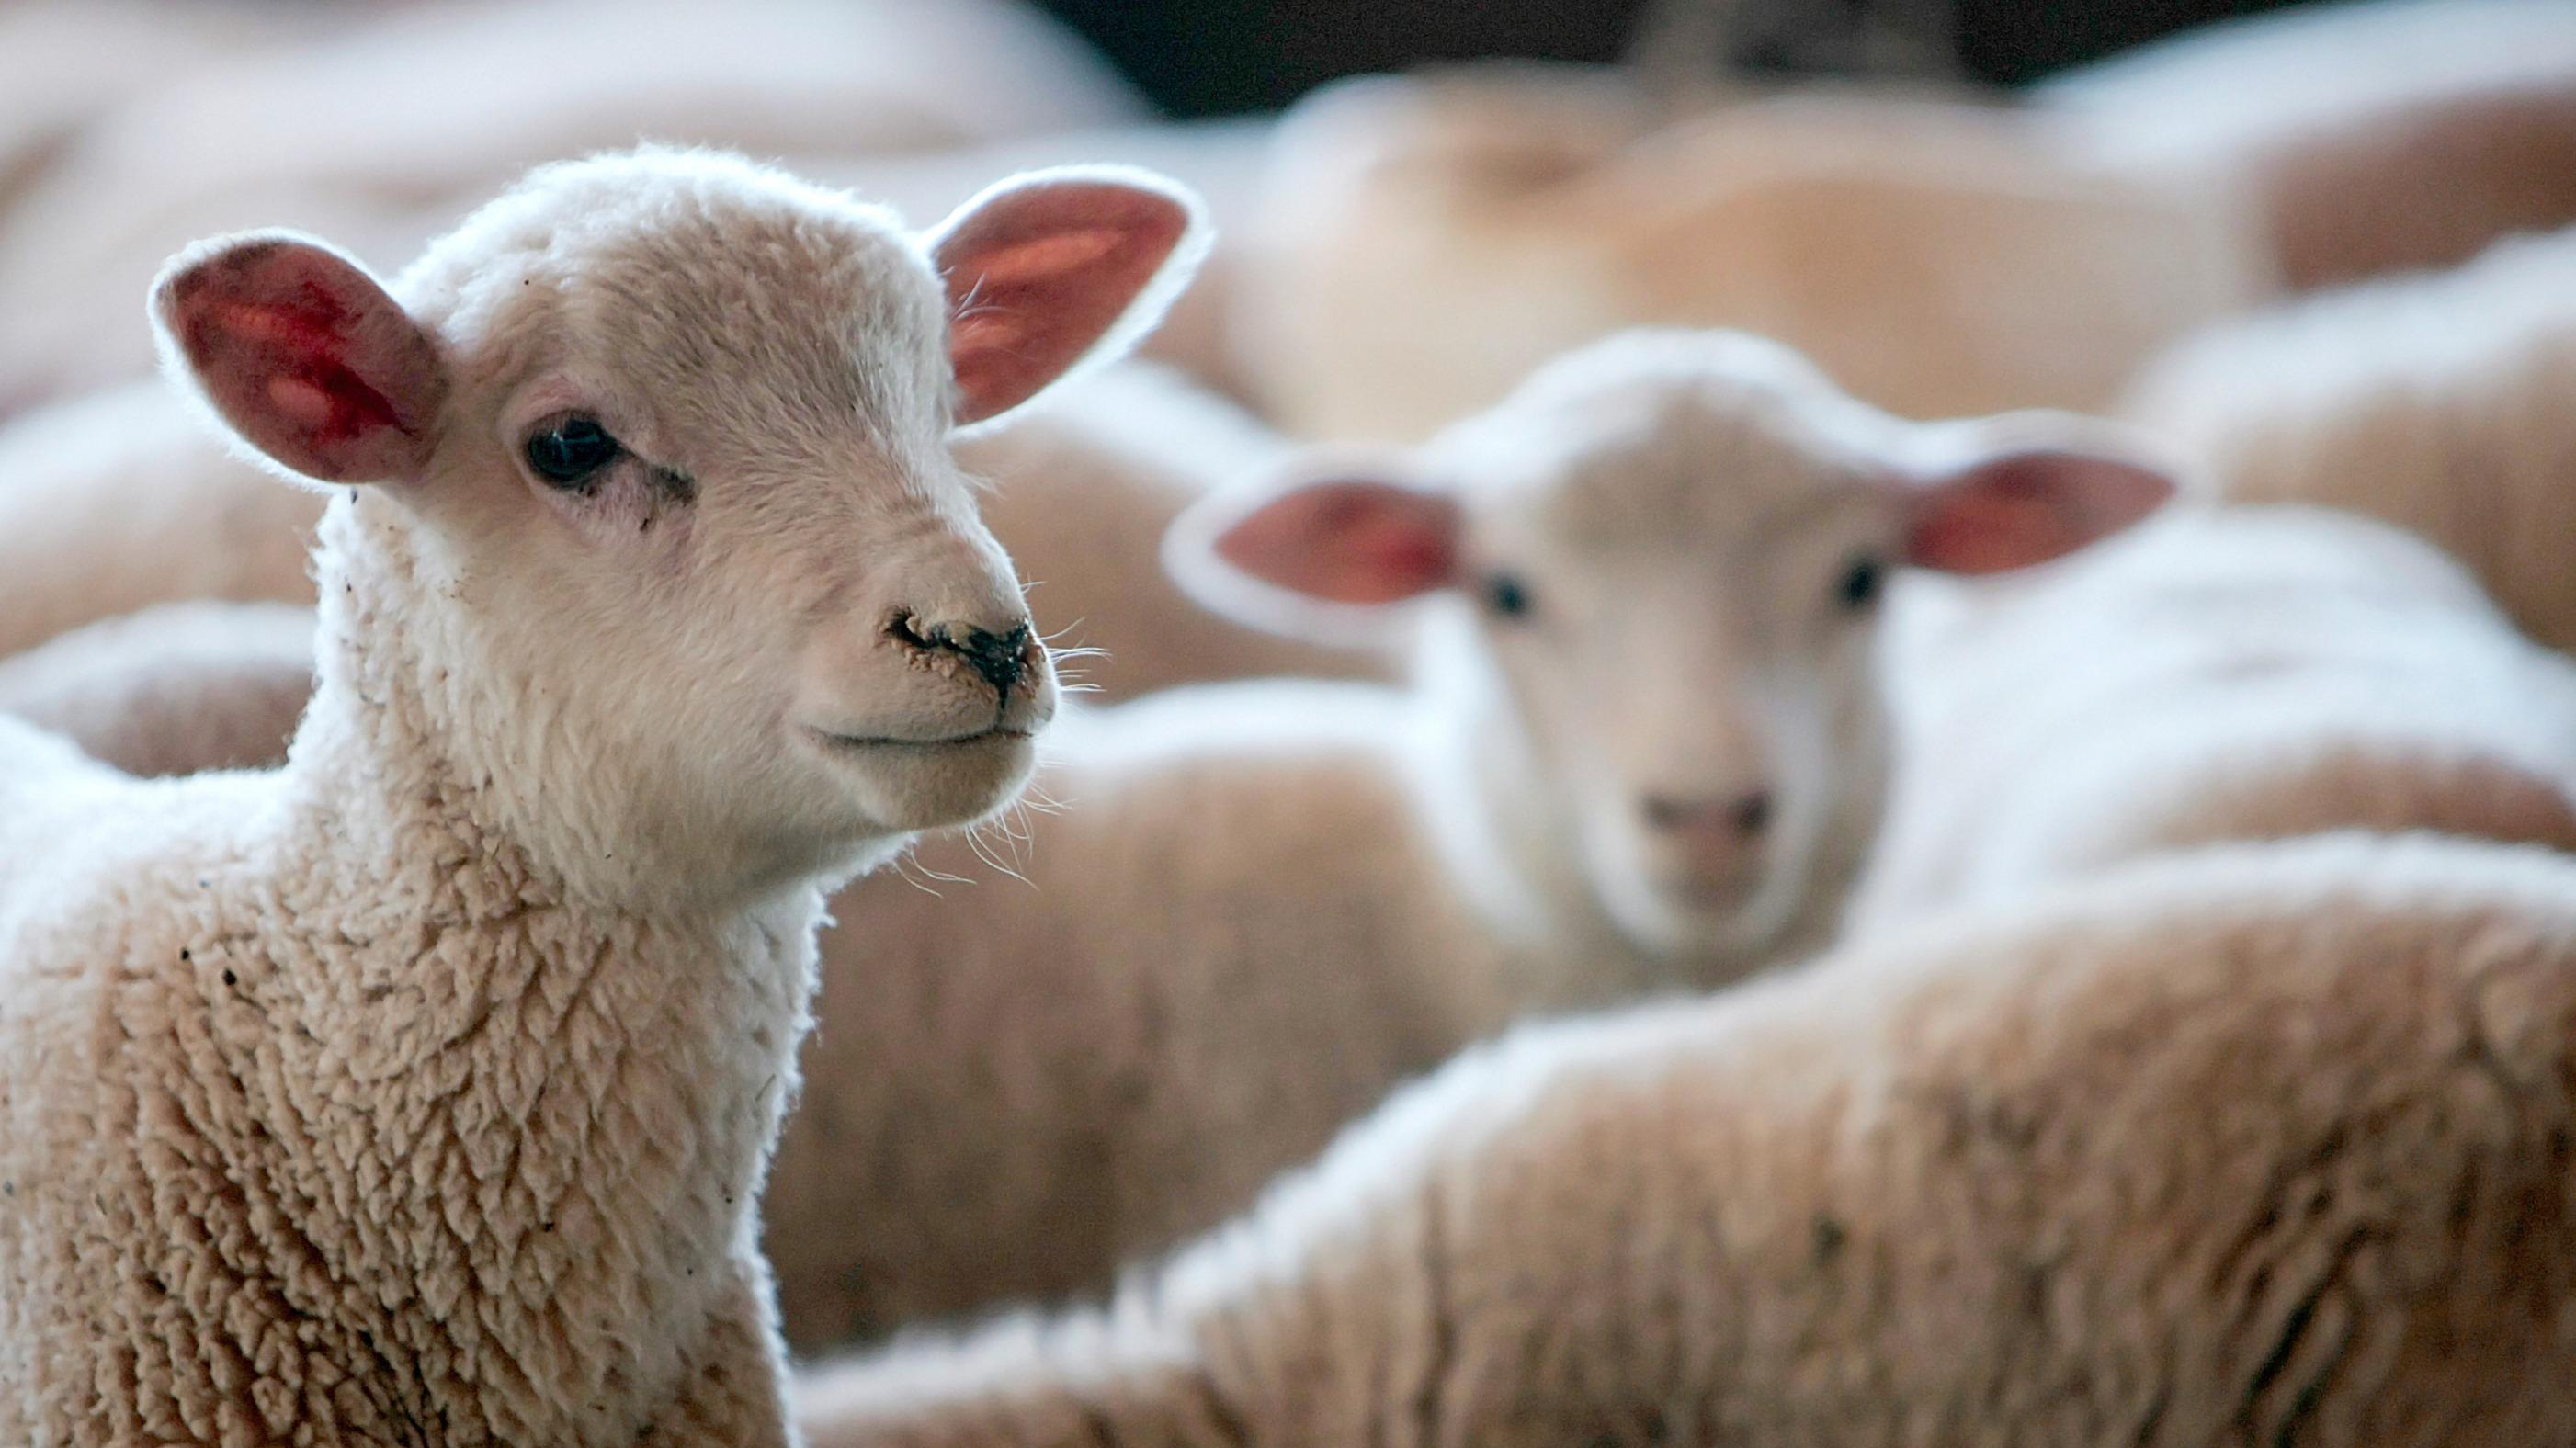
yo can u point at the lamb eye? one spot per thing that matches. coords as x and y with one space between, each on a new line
568 452
1507 596
1861 583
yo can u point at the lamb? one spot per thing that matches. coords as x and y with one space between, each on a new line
1640 752
420 1091
2438 403
118 502
2229 673
2267 1143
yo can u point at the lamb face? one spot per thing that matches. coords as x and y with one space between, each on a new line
1665 555
666 437
658 607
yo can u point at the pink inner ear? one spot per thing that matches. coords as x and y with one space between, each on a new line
1037 275
1348 541
2023 509
308 359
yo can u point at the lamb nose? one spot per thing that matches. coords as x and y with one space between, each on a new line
1000 658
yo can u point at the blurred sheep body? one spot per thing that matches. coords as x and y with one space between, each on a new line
2266 1143
2437 402
116 502
430 1078
2365 138
176 689
2233 673
1424 241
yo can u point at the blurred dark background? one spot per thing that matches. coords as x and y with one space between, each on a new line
1218 57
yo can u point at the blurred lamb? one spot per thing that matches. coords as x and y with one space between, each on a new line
118 501
2440 403
2266 1144
176 689
430 1080
2232 673
1641 751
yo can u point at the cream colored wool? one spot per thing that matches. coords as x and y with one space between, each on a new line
2438 402
117 502
421 1091
2270 1144
2370 137
121 500
172 690
2224 674
1425 240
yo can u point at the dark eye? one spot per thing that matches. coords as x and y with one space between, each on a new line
1860 584
566 453
1507 596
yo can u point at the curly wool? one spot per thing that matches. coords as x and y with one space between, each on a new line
2271 1144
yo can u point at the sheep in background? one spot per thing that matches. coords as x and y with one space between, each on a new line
2439 403
2267 1144
422 1089
177 689
121 500
117 502
1426 240
2231 673
2366 138
1641 751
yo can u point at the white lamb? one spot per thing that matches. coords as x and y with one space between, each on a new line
2267 1144
1642 750
2438 402
2230 673
420 1092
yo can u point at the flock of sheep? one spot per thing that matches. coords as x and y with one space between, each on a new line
1677 905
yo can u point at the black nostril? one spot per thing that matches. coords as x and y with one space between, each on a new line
1000 658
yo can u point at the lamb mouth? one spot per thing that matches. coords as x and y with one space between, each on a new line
860 743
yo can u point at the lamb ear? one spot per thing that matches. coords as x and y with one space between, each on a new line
1319 549
2025 488
1058 270
303 354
